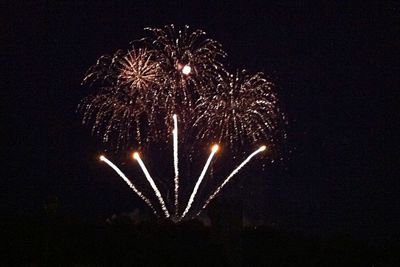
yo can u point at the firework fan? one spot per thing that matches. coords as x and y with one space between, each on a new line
242 110
162 206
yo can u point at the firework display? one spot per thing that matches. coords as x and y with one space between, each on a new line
139 94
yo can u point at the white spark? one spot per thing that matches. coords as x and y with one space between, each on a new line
196 187
176 179
186 69
211 197
122 175
151 182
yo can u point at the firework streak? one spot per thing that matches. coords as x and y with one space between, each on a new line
152 184
176 178
122 175
235 171
196 187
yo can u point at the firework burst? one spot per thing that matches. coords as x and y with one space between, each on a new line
146 86
243 109
138 71
128 82
135 69
189 62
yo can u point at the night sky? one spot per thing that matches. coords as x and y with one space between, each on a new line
335 68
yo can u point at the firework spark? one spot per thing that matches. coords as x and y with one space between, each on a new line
242 110
196 187
235 171
152 184
123 176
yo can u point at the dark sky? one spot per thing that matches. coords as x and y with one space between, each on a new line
336 70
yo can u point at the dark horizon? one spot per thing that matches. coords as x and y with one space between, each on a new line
336 73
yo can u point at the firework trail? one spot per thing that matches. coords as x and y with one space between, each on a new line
122 175
235 171
153 185
176 178
196 187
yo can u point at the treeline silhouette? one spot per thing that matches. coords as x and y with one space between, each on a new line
56 241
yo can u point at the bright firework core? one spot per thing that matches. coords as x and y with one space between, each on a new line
186 69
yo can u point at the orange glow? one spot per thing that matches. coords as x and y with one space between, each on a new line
215 148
